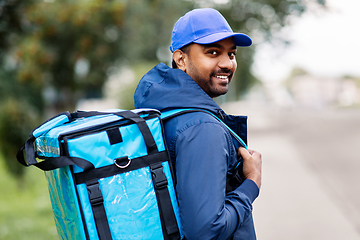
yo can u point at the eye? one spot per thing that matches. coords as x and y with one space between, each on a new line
232 55
212 52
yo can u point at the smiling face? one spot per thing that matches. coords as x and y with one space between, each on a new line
211 66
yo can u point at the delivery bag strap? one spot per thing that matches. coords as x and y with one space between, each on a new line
98 208
49 163
167 215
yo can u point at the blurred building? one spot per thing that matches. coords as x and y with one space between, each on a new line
307 91
319 92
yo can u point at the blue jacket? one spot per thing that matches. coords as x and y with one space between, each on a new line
203 154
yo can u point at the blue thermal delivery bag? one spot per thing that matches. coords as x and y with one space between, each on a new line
108 174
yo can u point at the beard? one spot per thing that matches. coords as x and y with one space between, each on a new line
216 89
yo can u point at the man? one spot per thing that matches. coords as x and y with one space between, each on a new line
201 148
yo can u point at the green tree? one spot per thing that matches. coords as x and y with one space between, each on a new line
68 46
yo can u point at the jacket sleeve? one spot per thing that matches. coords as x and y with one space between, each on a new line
203 152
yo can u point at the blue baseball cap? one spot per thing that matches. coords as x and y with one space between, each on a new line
204 26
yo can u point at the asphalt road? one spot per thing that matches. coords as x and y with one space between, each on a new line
311 171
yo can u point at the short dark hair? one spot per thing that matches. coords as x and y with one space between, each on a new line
184 49
173 64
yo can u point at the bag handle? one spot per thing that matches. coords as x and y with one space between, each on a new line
50 163
57 120
84 114
54 162
129 115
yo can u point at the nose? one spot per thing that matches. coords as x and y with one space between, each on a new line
226 62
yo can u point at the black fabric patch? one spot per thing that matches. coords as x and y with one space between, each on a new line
114 136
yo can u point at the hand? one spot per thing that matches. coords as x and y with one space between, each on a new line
251 165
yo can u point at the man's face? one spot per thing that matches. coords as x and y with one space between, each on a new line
212 66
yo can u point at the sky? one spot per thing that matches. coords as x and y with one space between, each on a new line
325 44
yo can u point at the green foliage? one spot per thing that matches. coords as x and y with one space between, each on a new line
69 45
16 121
9 24
148 27
19 114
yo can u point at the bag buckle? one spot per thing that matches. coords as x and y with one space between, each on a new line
94 192
158 176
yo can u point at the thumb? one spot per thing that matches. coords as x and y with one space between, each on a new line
243 152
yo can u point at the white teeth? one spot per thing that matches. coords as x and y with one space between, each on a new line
222 77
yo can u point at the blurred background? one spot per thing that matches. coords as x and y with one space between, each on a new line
299 84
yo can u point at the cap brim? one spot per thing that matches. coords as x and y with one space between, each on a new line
241 40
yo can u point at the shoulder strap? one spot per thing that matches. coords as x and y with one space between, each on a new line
166 115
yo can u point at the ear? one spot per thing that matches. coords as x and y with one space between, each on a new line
180 59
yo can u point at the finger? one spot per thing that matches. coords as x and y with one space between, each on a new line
244 153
